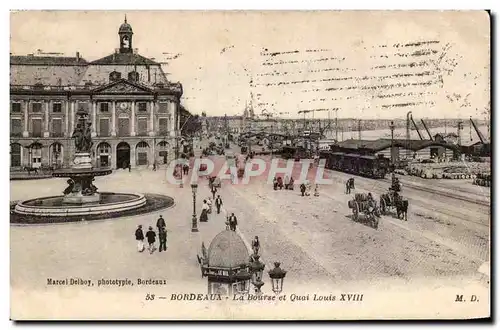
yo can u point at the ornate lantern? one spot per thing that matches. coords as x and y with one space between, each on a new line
243 278
256 268
277 276
194 225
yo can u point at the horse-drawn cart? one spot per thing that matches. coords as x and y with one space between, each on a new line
363 203
393 201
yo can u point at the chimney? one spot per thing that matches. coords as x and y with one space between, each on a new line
78 56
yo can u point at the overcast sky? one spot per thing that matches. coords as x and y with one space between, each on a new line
366 64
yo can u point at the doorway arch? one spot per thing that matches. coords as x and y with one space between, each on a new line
162 150
122 155
56 155
142 152
103 155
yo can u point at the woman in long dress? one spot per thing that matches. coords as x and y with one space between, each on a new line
209 203
204 212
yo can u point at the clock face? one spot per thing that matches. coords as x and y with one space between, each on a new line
123 106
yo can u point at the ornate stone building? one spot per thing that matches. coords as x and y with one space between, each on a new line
132 107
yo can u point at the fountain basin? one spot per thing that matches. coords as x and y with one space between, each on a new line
55 206
81 172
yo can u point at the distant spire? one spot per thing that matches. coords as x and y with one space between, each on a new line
125 18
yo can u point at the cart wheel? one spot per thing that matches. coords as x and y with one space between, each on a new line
355 211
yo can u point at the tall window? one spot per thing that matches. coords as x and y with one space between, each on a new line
15 127
142 106
37 107
163 107
57 127
103 127
16 107
123 127
37 128
163 123
104 107
15 155
57 107
142 125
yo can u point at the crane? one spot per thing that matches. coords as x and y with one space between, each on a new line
479 134
427 129
416 128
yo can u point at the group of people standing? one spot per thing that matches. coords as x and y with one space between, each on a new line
287 184
305 189
151 236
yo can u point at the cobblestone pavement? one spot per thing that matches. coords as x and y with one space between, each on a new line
313 237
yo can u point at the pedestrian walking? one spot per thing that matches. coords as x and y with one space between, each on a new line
213 189
204 212
162 235
256 245
129 167
154 166
160 223
218 203
287 182
233 222
302 189
139 237
316 192
209 203
151 235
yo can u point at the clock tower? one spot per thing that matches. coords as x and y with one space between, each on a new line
125 33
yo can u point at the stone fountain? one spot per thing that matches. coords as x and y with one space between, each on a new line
81 198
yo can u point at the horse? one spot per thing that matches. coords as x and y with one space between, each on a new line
30 169
402 208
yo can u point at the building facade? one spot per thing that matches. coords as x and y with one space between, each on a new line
132 106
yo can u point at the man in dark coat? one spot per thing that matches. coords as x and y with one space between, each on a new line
160 223
218 203
139 237
151 235
163 239
302 189
233 222
213 189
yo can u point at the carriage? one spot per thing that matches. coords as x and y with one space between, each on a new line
361 203
393 201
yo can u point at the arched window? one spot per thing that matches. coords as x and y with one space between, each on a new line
133 76
115 75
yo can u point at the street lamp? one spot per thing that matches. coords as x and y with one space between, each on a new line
194 225
391 126
277 276
256 268
244 278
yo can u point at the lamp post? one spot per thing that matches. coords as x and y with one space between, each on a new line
177 138
256 269
391 126
277 276
194 225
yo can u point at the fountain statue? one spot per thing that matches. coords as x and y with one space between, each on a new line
81 189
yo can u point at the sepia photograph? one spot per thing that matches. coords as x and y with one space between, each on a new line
250 165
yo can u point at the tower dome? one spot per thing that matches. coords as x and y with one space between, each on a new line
227 250
125 27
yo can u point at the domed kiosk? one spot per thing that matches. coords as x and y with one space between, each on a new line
226 264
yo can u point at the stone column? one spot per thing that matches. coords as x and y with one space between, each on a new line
66 120
72 118
174 123
151 118
26 106
113 121
132 120
94 118
46 120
